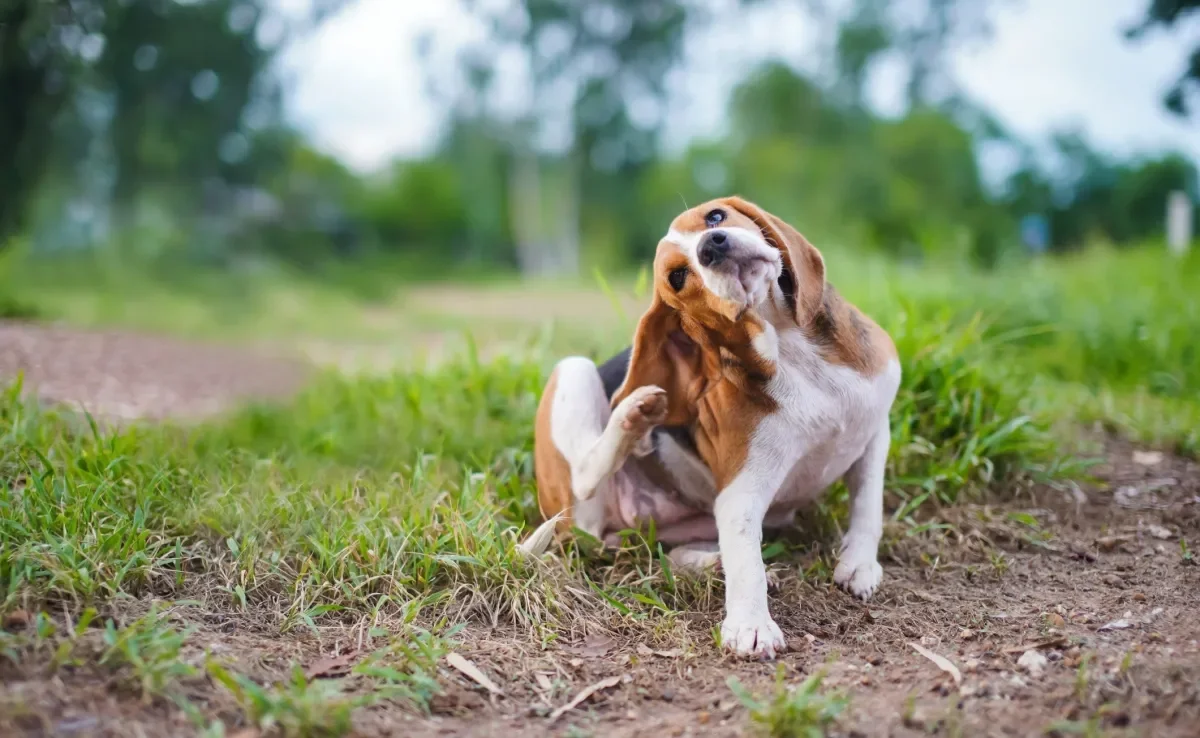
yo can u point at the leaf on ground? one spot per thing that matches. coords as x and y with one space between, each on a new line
594 646
333 666
644 650
942 663
584 693
473 673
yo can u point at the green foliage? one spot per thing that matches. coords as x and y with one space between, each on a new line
803 711
150 649
11 306
205 170
34 88
1099 197
404 669
422 206
297 708
1169 13
956 426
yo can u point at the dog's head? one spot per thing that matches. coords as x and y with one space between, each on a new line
723 269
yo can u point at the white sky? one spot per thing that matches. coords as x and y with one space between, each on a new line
359 92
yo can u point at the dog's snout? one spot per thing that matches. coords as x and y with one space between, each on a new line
713 248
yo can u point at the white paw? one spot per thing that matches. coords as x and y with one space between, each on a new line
858 574
644 408
754 636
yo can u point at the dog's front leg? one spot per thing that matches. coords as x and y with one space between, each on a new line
739 509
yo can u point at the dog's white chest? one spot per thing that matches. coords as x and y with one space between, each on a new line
827 414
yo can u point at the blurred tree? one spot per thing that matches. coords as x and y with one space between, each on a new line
861 40
1141 193
178 91
42 46
1088 195
181 77
775 100
1168 13
921 34
598 72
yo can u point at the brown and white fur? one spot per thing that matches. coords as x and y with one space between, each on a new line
751 387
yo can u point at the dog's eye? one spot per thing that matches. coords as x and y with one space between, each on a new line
714 218
677 278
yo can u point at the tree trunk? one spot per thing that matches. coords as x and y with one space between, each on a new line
32 93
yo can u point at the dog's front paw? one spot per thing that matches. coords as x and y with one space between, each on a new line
858 574
753 636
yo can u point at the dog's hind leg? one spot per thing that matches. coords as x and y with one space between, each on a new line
594 440
858 569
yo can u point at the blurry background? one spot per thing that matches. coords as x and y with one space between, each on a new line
372 180
548 136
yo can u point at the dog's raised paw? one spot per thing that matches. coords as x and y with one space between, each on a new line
643 409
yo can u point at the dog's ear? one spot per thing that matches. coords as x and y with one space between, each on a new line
663 355
803 279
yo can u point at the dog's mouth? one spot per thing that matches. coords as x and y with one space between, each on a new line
750 278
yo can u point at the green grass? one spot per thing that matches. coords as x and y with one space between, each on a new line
803 711
1101 336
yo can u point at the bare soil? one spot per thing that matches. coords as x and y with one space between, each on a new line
1100 589
118 375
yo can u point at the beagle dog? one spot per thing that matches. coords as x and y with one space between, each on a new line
751 387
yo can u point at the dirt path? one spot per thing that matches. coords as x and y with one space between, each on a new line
121 375
1094 586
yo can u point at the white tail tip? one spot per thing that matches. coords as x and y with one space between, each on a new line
537 543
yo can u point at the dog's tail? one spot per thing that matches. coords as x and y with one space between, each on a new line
537 543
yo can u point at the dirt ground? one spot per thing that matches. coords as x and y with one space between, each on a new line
1064 606
119 375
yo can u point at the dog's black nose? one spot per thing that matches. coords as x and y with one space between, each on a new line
713 248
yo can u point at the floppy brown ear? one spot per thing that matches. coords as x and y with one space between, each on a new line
803 281
664 356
